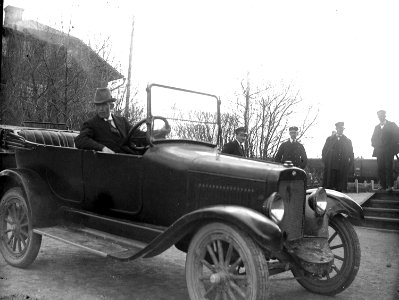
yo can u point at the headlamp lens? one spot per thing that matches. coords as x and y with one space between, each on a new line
274 207
318 201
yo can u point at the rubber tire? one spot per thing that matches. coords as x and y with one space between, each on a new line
251 253
33 241
349 268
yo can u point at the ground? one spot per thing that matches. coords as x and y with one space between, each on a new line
64 272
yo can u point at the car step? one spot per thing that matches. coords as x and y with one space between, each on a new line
95 241
137 231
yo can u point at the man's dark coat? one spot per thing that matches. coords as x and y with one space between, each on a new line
233 148
96 133
385 140
292 151
338 159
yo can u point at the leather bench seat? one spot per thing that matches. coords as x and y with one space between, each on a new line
49 137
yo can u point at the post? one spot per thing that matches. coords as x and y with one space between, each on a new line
357 186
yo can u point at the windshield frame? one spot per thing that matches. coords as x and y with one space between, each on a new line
150 116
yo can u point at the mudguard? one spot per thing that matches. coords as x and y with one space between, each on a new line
264 231
338 202
41 204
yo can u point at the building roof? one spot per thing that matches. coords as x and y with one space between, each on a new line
82 53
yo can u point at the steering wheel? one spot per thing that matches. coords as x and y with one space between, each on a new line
160 133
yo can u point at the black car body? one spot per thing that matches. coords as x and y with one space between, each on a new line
240 220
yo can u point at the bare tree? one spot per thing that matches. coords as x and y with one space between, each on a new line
267 111
135 110
127 104
50 76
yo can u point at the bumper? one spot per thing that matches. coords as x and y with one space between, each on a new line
312 254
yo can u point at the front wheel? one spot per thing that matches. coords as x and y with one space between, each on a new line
223 262
19 245
344 243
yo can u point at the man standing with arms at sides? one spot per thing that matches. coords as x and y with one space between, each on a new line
338 159
385 141
236 147
292 150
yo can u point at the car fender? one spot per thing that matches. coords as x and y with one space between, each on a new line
41 204
264 231
338 203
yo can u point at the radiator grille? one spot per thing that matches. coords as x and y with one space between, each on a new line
293 193
207 193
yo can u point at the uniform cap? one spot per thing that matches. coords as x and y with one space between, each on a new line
381 112
240 130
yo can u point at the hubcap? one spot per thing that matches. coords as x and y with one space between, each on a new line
218 277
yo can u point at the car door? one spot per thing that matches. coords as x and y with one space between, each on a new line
112 183
60 167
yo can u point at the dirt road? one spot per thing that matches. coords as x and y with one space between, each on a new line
65 272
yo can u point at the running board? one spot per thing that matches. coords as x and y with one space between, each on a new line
94 241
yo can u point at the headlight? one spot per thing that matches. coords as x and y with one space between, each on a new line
318 201
274 207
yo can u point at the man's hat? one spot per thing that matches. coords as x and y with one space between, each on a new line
381 112
103 95
339 124
293 129
239 130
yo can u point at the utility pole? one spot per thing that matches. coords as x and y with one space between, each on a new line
129 73
247 97
246 114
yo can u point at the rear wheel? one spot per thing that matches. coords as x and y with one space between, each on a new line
224 263
19 245
345 246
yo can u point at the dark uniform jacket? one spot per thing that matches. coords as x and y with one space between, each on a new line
97 133
337 155
234 148
292 151
385 140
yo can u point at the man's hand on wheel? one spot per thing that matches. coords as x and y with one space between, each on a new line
162 133
166 130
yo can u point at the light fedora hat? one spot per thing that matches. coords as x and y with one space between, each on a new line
103 95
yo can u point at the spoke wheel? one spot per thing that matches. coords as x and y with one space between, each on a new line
224 263
345 246
18 244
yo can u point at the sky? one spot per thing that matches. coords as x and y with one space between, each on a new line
341 56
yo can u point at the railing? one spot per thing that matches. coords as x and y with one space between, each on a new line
365 177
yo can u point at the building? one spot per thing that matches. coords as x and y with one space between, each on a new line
47 75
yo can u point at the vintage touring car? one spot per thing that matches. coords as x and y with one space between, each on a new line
239 220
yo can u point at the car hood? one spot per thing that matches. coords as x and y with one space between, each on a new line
205 159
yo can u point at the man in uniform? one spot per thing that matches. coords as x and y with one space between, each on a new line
235 147
292 150
385 141
338 159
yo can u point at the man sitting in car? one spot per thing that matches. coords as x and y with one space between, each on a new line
107 132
